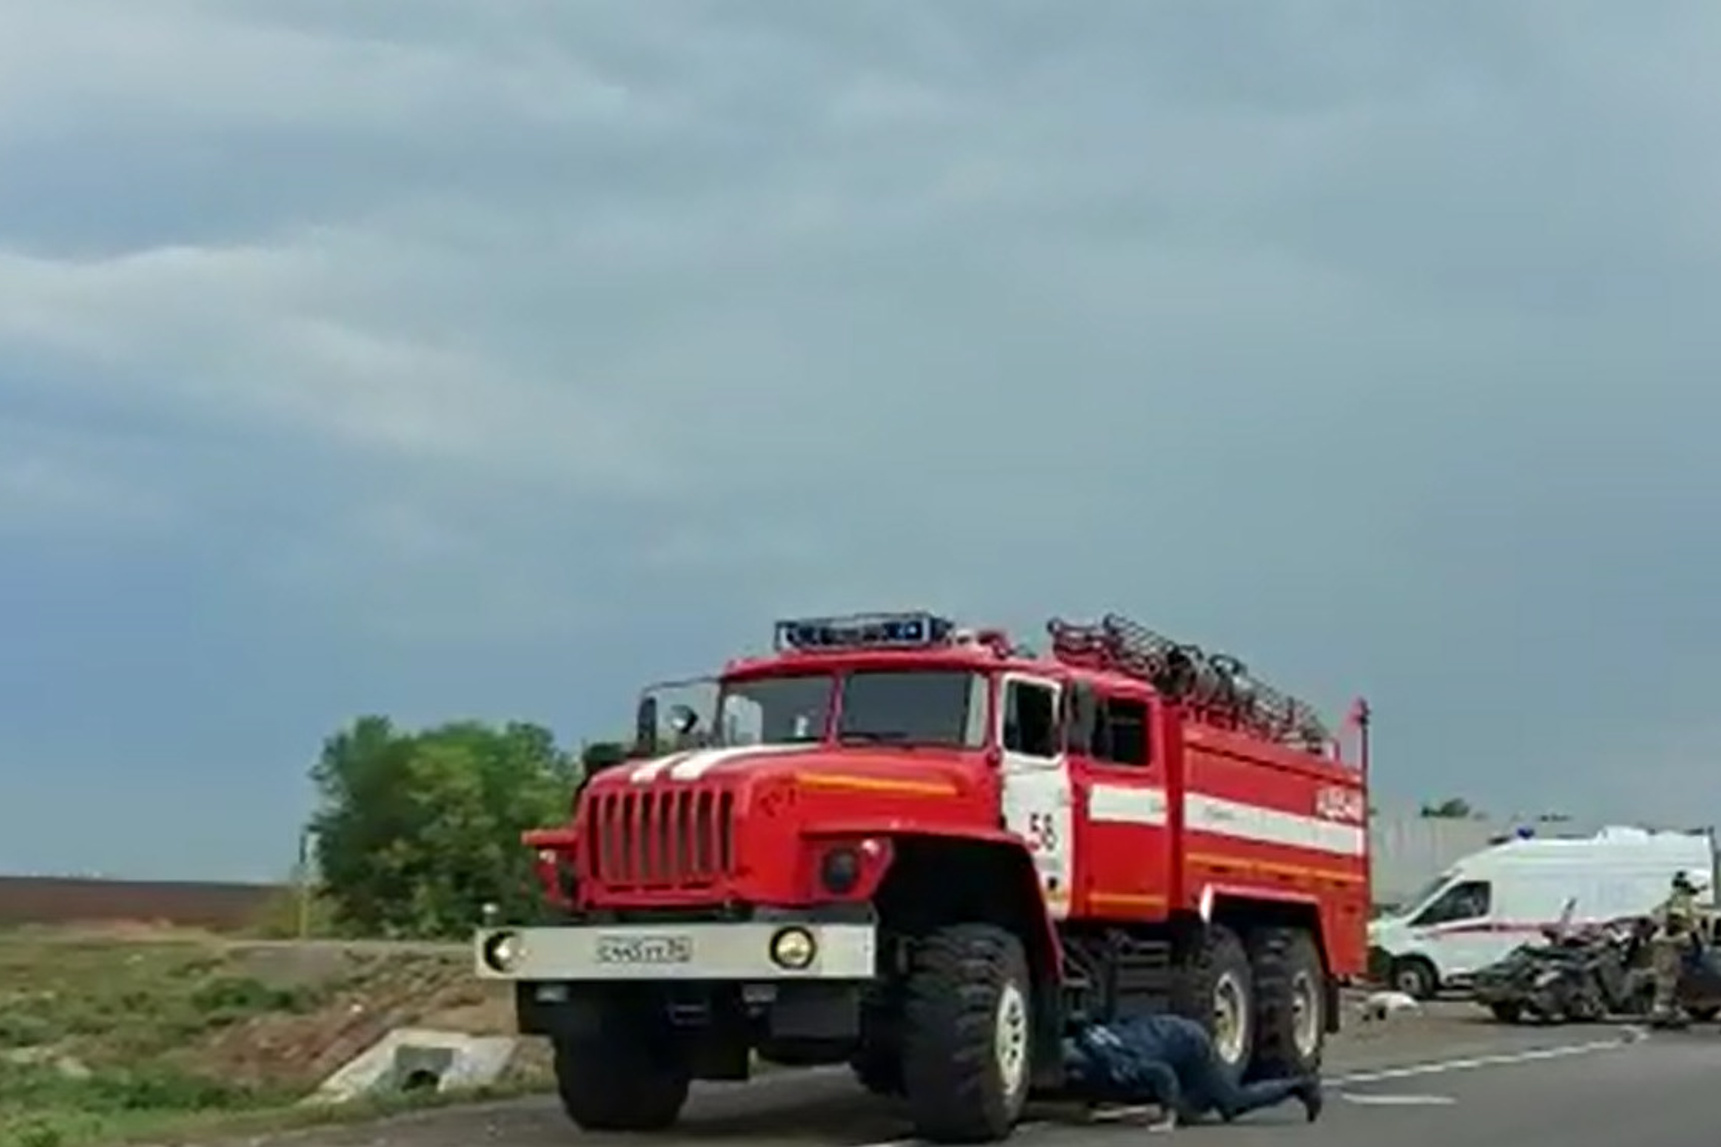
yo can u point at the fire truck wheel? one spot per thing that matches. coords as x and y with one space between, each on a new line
621 1075
1216 990
1290 1032
966 1040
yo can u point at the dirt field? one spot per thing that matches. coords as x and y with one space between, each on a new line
119 1032
197 904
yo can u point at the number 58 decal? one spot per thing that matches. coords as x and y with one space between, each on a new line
1042 832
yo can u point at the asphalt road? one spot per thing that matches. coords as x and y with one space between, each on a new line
1657 1092
1430 1081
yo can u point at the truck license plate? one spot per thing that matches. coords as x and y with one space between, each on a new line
645 950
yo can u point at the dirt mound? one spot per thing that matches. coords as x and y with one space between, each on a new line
359 998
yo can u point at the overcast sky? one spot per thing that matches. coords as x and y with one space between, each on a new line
458 358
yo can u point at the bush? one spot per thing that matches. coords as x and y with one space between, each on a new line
417 831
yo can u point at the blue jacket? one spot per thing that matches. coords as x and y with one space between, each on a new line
1141 1059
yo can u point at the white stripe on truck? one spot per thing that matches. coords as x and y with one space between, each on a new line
693 766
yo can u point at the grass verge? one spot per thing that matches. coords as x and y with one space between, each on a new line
108 1039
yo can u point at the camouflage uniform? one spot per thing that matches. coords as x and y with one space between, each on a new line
1675 921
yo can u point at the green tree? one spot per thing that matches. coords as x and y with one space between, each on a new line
416 831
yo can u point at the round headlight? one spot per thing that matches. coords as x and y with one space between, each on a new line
793 948
502 951
840 870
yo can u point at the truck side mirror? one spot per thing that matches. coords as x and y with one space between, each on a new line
645 727
683 719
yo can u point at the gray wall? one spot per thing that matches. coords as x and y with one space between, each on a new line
1409 850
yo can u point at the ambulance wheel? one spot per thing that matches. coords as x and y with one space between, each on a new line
620 1070
1290 997
1218 992
966 1034
1415 977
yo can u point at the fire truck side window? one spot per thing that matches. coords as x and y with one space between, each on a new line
1030 720
1467 901
1120 735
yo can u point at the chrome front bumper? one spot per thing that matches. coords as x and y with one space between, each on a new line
744 951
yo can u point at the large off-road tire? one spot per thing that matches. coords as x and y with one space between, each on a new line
1290 997
623 1072
1216 989
967 1038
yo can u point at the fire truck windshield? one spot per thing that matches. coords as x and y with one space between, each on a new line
896 706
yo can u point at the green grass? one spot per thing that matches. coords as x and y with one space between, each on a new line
122 1002
94 1036
41 1107
42 1111
105 1041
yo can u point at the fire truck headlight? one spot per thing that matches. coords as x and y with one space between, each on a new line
840 870
793 948
502 951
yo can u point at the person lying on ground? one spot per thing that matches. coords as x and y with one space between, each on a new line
1170 1061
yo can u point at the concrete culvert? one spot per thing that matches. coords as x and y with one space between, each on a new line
420 1067
419 1061
420 1080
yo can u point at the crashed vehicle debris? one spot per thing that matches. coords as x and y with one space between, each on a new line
1595 973
927 852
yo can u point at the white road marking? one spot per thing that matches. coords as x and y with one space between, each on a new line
1366 1100
1470 1063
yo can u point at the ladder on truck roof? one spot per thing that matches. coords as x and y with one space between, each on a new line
1213 687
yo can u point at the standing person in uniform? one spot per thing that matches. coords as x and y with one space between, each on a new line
1170 1061
1676 920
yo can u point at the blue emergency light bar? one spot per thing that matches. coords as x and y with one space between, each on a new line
865 631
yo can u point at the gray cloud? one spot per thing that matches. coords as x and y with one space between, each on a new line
1375 342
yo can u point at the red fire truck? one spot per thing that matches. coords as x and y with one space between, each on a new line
927 852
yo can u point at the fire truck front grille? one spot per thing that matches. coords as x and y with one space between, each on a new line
661 838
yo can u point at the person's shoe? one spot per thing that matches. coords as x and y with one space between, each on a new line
1313 1097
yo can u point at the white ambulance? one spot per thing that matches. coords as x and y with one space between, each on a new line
1492 901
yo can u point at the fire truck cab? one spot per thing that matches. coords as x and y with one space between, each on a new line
929 853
